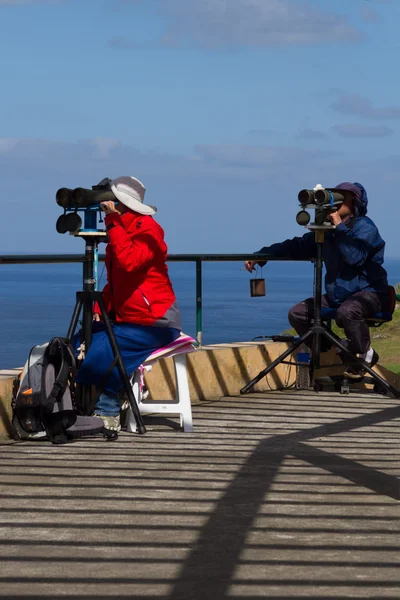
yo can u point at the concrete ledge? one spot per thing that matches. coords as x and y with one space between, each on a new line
222 370
6 384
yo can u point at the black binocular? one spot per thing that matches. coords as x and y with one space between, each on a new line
82 197
325 198
323 201
84 200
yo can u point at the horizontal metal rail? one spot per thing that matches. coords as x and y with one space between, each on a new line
24 259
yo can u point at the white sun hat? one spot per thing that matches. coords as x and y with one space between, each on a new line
130 191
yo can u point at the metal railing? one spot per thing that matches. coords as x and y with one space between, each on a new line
198 259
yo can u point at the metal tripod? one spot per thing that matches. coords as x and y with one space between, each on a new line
85 300
318 331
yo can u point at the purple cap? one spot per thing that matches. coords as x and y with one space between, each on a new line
350 187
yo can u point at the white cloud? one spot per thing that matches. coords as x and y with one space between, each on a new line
357 131
310 134
87 161
17 2
231 23
105 145
368 15
7 144
266 157
354 104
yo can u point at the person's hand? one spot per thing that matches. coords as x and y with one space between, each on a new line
335 218
96 317
109 207
250 265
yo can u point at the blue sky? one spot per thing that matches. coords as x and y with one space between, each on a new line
225 109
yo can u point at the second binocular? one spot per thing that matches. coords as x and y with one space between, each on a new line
321 198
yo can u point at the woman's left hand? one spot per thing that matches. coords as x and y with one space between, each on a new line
109 207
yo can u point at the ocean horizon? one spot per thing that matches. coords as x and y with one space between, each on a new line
37 301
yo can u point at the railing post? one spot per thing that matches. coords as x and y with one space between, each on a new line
199 302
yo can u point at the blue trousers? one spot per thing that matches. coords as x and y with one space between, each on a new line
136 343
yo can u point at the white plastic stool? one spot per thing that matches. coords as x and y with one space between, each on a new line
181 406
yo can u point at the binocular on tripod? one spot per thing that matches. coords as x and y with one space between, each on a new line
323 200
83 200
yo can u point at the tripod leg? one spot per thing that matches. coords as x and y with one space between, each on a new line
332 338
277 361
121 367
316 350
75 316
87 320
84 392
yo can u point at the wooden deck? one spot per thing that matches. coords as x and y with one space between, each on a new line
279 495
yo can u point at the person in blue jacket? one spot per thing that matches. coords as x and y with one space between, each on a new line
355 281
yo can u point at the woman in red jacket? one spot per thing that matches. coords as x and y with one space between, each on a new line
138 296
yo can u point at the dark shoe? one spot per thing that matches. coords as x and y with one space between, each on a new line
356 372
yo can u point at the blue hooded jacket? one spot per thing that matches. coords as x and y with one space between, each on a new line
353 252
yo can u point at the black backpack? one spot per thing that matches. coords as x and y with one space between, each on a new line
43 406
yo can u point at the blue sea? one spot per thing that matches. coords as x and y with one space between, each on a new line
37 301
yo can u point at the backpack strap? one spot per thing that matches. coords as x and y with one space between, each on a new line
57 346
72 362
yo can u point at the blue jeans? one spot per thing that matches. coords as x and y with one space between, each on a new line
136 343
108 405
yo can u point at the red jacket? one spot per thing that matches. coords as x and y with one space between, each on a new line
139 289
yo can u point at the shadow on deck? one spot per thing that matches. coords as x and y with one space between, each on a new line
278 495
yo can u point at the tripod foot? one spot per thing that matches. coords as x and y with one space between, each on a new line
109 435
338 383
379 389
345 387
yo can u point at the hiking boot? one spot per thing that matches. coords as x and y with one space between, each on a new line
356 372
111 423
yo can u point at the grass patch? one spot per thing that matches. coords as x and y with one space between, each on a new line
393 368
